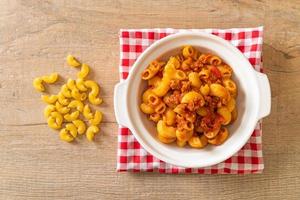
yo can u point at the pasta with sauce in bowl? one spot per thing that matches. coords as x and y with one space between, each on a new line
191 98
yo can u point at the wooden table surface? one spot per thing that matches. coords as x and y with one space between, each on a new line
35 37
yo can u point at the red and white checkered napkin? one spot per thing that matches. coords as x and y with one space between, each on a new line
132 156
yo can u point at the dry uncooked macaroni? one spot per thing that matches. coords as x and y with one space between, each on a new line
94 92
191 98
38 83
64 109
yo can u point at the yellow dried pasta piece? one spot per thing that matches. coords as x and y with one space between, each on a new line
72 61
85 69
48 110
55 120
97 118
71 84
80 85
65 135
76 104
62 99
70 97
72 116
65 91
49 99
93 86
52 78
77 95
72 129
61 109
95 100
91 131
80 125
38 84
94 92
87 112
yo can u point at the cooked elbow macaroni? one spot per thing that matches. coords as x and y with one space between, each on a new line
63 109
152 70
191 98
194 78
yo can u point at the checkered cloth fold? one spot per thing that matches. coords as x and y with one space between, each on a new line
132 156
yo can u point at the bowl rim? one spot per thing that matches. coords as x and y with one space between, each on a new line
132 74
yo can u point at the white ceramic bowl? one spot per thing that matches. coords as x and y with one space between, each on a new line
253 101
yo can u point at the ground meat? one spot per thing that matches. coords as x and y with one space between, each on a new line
185 66
173 100
197 66
204 58
179 118
191 106
196 104
181 123
180 58
160 74
197 125
190 116
213 79
175 84
212 102
208 100
185 86
211 122
216 102
185 113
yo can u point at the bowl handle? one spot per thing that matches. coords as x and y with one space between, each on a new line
120 104
264 95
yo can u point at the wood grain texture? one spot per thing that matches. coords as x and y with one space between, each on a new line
35 37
